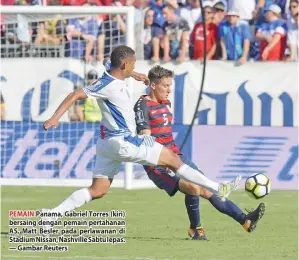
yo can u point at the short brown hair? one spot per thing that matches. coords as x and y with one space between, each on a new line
157 73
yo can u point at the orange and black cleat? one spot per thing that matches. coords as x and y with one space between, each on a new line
197 233
253 217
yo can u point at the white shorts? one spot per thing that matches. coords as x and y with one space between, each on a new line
113 151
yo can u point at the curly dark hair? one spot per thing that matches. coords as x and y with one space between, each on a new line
118 54
157 73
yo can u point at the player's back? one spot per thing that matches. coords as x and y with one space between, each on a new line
115 103
158 118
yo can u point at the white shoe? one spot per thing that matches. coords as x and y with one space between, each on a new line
225 189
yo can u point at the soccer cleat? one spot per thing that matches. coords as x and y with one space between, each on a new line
225 189
197 233
253 217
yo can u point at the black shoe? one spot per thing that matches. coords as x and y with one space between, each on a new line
253 217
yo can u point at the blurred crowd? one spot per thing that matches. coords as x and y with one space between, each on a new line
236 30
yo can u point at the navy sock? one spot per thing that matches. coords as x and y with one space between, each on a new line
229 208
192 206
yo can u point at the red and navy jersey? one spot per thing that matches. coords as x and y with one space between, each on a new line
156 117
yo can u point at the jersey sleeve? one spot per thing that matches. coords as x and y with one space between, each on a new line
142 115
96 90
246 32
221 31
280 30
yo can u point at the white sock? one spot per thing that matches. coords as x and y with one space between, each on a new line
189 174
75 200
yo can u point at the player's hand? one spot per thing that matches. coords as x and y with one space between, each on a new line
141 77
50 123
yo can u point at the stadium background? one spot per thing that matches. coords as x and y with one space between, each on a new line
247 122
258 112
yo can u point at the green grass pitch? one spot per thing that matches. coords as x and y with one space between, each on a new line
157 227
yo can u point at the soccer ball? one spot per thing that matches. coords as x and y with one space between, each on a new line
258 186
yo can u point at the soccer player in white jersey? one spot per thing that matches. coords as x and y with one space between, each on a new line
118 141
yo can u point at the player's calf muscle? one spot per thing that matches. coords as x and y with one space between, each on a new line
170 159
189 188
195 190
99 188
97 194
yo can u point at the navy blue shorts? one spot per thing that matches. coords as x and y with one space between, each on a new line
165 180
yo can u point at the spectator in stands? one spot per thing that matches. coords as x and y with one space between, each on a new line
293 31
219 12
19 33
235 38
88 109
287 8
113 30
159 21
272 35
82 34
197 39
2 107
245 8
157 6
191 13
51 31
147 34
176 36
262 7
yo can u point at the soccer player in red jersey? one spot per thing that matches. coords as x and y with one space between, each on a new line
153 117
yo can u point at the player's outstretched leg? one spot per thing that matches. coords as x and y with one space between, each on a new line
229 208
77 199
196 232
184 171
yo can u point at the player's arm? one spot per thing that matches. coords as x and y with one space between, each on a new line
135 75
140 77
142 117
63 107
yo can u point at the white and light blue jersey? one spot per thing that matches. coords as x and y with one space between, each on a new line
117 108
